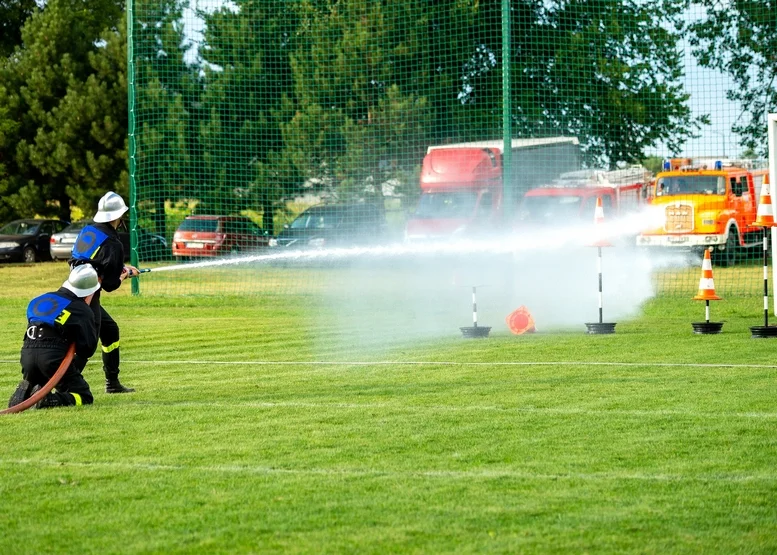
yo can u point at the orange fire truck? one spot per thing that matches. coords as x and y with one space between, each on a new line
704 204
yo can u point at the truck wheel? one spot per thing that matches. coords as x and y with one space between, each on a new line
729 255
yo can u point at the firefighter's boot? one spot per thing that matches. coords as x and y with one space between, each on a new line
111 369
23 391
49 402
113 385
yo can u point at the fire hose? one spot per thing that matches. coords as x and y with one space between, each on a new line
52 383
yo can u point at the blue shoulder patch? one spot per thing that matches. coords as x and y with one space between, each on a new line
88 243
48 309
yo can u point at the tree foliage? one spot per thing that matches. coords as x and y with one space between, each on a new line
247 70
61 99
375 84
13 14
739 38
607 71
284 98
166 111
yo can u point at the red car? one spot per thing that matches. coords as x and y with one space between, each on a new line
200 236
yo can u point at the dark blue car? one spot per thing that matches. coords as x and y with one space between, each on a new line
28 240
334 225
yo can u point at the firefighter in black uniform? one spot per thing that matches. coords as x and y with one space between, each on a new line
54 321
99 245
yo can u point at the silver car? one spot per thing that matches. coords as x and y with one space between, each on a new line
61 244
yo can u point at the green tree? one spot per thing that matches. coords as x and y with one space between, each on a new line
653 164
607 71
247 74
62 91
166 99
363 83
13 14
739 38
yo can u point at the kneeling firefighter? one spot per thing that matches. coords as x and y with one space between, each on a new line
54 321
98 245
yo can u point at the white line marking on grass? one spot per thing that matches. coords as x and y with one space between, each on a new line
464 408
451 363
408 474
438 363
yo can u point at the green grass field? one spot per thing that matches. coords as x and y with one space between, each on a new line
248 435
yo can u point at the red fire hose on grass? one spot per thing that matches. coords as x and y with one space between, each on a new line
51 384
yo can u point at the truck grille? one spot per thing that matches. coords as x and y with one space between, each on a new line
678 218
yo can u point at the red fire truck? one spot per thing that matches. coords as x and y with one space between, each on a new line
463 185
572 197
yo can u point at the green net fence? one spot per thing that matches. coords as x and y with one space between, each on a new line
304 146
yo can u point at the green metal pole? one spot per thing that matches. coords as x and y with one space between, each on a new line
131 139
508 198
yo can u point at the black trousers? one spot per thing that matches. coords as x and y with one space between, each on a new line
40 359
108 332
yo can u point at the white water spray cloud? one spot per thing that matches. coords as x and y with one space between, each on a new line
379 297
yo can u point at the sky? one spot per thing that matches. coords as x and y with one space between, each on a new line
707 89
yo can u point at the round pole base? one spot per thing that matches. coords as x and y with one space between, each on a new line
475 332
759 332
600 328
706 328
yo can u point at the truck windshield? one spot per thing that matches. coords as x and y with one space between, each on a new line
550 209
447 204
691 185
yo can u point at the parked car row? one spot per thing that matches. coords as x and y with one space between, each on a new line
203 235
32 240
150 245
328 225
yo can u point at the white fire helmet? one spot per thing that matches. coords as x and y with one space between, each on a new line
111 207
82 281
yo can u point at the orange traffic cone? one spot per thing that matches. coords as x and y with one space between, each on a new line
520 321
706 285
765 216
598 222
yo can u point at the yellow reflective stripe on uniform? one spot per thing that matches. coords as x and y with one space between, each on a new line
111 347
94 253
77 397
62 318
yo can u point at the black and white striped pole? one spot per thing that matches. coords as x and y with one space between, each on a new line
599 270
765 220
475 330
474 306
766 278
600 327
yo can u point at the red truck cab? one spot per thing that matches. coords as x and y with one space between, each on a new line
458 186
572 197
462 185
